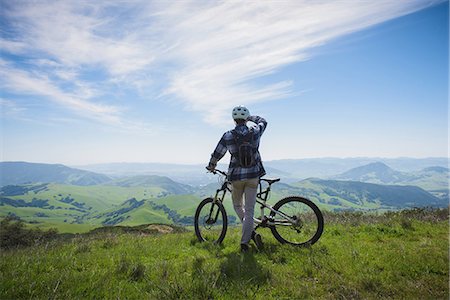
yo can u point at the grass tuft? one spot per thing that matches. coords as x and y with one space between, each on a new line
82 248
137 272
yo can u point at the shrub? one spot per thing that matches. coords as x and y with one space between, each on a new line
13 234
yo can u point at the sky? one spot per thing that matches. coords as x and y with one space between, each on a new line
86 82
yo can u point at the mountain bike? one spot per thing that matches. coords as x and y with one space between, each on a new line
293 220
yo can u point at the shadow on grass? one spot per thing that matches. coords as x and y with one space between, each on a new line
242 269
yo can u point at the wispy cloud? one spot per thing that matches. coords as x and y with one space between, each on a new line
25 82
207 55
10 108
223 46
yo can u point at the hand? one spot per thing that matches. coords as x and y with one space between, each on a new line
210 167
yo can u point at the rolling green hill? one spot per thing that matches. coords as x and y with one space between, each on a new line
161 182
358 195
430 179
133 204
157 199
64 205
130 212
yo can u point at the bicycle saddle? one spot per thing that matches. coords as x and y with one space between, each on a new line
270 181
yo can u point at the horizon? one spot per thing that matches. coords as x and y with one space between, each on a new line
97 83
225 162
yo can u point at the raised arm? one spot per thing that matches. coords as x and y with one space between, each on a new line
260 121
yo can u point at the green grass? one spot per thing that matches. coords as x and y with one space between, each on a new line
65 227
102 199
185 205
144 215
99 197
358 257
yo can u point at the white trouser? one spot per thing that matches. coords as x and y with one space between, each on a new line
245 212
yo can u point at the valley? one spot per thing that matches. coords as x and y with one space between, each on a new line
97 200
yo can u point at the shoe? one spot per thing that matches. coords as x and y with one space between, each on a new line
256 237
244 248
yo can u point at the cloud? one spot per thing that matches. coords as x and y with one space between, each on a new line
33 84
77 33
11 46
224 46
207 55
25 82
10 108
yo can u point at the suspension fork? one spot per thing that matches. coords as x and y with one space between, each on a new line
216 200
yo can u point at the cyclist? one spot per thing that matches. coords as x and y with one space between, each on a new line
245 168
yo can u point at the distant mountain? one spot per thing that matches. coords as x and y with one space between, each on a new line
12 173
290 170
360 195
433 178
187 174
376 172
153 181
326 167
436 170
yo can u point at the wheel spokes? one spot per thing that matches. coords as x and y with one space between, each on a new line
301 227
211 222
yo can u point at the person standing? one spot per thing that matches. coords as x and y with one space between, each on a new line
244 170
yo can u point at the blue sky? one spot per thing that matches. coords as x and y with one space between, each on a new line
140 81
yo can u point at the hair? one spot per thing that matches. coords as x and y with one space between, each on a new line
240 121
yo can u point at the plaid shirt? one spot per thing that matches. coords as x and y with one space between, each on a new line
228 143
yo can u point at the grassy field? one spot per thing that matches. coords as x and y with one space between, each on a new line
397 255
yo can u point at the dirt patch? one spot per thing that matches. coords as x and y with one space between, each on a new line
160 228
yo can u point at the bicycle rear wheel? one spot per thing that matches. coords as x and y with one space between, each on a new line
210 221
299 221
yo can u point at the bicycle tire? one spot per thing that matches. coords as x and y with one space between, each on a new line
296 238
202 214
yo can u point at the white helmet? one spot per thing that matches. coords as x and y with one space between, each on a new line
240 113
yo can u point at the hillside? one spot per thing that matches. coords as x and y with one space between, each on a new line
376 172
393 256
13 173
162 182
141 199
158 199
130 212
358 195
433 178
66 206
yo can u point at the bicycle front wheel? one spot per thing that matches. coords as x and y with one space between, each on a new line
210 221
298 221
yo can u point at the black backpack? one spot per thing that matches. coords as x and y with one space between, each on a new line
246 152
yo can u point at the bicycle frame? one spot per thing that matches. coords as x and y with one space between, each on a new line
261 198
264 221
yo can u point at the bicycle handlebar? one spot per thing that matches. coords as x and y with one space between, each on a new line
218 171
